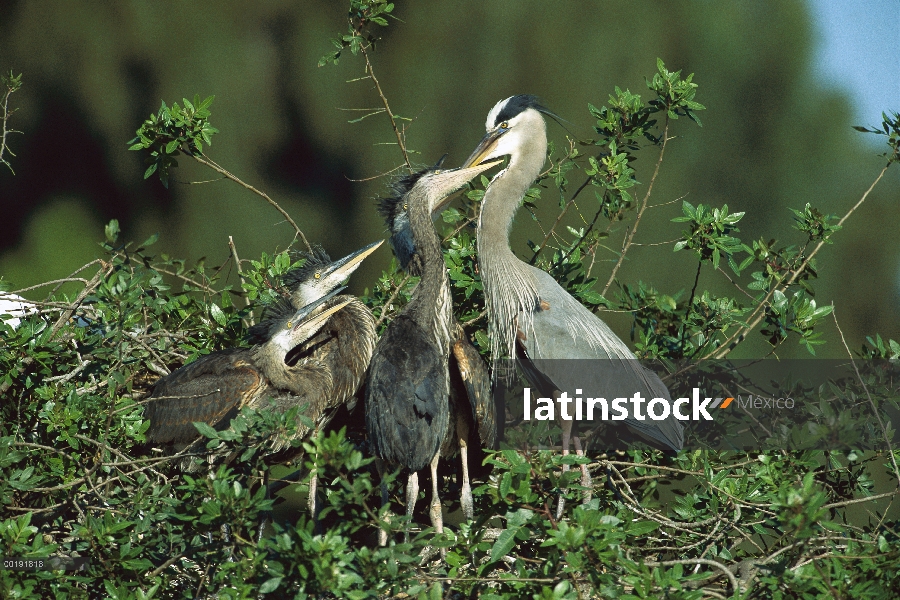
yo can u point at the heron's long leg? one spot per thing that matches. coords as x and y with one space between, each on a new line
437 519
382 533
566 426
266 516
585 473
465 495
412 494
313 501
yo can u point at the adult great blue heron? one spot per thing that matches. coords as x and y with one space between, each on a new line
527 307
407 411
471 405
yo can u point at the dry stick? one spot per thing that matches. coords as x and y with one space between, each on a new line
205 160
758 314
237 262
6 130
637 220
884 432
387 108
699 561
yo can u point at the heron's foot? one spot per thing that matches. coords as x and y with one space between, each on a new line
588 484
586 481
467 502
382 537
437 521
261 528
437 517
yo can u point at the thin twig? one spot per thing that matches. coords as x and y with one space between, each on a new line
205 160
4 148
391 298
887 439
640 213
237 262
699 561
387 108
759 313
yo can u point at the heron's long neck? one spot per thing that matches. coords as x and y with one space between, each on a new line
269 357
509 287
431 304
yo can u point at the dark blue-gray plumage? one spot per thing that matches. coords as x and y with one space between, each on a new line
407 389
471 404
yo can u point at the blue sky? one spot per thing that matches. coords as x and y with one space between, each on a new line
858 51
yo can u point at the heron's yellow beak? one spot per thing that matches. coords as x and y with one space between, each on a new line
341 269
484 147
315 322
464 175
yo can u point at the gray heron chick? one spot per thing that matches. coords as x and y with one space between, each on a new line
471 404
527 307
407 389
216 386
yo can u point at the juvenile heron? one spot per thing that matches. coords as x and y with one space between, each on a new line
407 411
471 405
346 342
527 307
216 386
343 345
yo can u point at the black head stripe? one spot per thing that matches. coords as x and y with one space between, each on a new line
516 105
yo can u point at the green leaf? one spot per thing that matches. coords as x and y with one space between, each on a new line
504 543
217 314
270 585
205 430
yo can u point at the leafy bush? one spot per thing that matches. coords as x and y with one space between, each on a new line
79 480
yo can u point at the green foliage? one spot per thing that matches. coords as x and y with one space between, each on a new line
76 477
710 233
172 131
361 14
890 128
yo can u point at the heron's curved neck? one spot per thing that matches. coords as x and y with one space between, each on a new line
509 286
270 356
431 303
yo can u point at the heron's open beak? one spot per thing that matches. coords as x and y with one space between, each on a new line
484 148
463 175
312 325
341 269
310 318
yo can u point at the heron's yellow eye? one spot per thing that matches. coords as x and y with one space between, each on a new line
504 125
318 275
436 171
289 325
406 207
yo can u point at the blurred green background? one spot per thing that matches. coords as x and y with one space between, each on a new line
774 136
